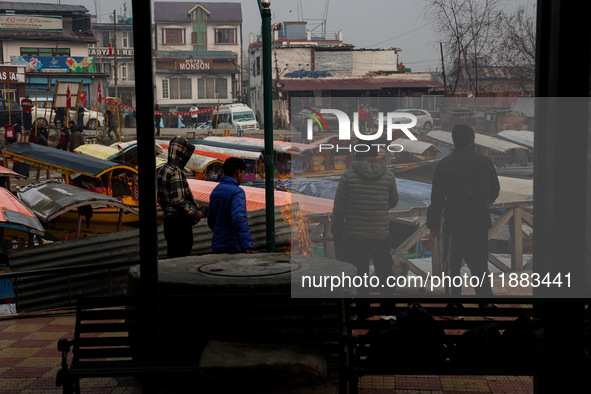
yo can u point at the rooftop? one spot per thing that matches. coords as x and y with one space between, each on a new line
178 11
41 8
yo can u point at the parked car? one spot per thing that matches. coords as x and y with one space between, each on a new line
424 118
91 117
15 112
300 122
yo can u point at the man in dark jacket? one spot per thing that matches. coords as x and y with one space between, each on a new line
181 212
465 184
360 222
227 211
76 137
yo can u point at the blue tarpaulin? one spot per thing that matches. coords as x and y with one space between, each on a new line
301 73
411 194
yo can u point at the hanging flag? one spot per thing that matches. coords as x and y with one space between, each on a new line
68 99
100 93
110 49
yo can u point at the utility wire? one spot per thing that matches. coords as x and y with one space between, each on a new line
402 35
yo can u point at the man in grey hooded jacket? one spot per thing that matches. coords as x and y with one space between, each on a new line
181 212
360 221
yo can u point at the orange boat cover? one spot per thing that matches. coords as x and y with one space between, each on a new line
255 198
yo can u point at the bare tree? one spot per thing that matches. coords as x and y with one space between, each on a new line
486 45
516 48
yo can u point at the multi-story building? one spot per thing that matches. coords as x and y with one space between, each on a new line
113 54
48 43
198 54
323 66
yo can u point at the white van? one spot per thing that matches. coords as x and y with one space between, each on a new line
234 117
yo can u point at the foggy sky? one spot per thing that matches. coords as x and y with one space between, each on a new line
365 23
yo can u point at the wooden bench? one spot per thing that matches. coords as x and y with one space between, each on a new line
457 353
106 341
103 347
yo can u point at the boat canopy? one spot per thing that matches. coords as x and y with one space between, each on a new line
418 147
244 154
15 215
278 146
50 199
7 172
495 144
61 161
249 148
255 198
196 162
520 137
204 158
222 153
97 150
301 147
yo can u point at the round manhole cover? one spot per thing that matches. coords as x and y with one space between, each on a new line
249 268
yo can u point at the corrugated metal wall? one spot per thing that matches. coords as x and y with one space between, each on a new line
334 62
53 291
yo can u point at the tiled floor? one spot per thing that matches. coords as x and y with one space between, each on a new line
29 361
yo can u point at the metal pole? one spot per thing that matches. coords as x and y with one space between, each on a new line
115 52
142 12
268 121
143 65
443 69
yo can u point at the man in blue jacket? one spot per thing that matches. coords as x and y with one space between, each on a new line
227 211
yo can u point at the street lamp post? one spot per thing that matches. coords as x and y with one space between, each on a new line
265 9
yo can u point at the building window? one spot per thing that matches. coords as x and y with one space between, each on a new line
106 39
127 39
173 36
199 15
225 36
12 94
199 36
212 88
165 94
124 75
180 88
199 39
221 87
257 68
47 52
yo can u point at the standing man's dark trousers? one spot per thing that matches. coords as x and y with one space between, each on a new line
471 245
360 252
27 120
179 236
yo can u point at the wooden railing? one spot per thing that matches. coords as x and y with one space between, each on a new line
512 213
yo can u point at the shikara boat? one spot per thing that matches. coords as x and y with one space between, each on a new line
64 208
17 222
252 156
520 137
504 154
90 173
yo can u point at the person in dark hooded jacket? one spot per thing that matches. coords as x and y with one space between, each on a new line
181 212
360 221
